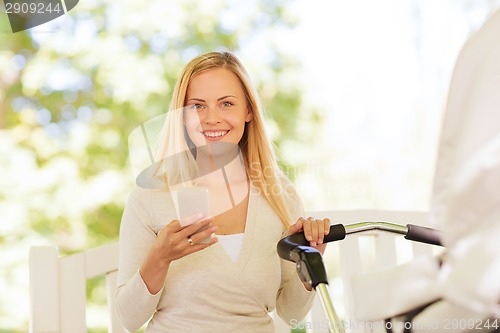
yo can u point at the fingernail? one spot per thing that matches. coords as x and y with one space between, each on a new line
313 244
320 242
214 228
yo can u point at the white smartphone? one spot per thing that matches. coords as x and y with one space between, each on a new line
193 201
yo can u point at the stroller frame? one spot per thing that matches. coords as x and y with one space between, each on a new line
309 262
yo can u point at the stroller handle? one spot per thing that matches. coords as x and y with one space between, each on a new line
423 235
339 231
289 243
309 263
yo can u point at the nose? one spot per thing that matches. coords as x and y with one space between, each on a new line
212 116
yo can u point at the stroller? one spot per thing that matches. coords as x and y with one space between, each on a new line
309 262
463 294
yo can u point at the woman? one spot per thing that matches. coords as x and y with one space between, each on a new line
230 284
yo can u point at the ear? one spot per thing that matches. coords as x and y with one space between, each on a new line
249 116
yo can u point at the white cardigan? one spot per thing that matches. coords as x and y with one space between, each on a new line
206 291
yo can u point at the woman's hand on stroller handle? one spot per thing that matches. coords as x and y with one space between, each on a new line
339 231
287 244
314 231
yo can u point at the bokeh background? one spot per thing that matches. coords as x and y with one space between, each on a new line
353 90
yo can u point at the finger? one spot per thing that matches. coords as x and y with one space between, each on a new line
299 225
314 231
201 235
296 227
199 246
307 230
320 227
193 228
327 225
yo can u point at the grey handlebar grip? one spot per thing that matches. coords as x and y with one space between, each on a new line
423 234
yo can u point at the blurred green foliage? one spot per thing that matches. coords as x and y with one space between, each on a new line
73 89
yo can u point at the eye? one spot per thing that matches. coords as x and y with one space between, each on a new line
196 106
226 104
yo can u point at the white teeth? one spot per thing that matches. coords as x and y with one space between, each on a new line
215 134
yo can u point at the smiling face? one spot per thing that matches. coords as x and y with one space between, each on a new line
216 108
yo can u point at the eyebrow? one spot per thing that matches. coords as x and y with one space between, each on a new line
202 100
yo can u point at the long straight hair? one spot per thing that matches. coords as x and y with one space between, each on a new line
257 150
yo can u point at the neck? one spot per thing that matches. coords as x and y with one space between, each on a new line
233 171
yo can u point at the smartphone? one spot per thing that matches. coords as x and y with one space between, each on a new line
193 201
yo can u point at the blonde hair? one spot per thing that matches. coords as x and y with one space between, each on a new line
257 150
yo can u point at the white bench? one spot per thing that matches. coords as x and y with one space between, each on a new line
58 288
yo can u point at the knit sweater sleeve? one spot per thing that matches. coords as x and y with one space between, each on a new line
294 300
135 305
